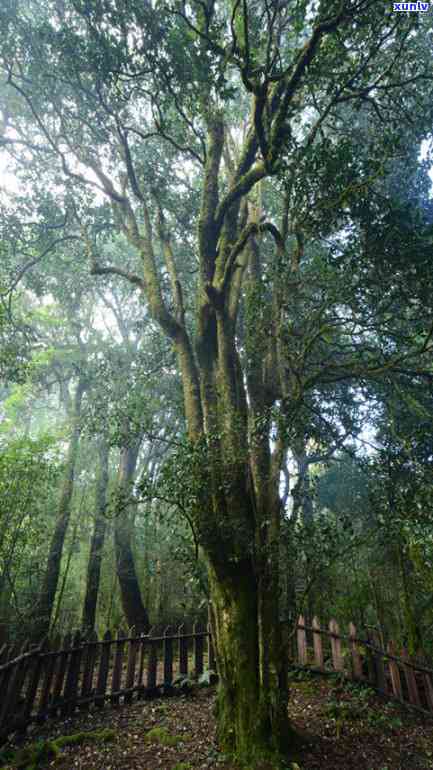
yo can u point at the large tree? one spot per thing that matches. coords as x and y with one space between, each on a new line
239 148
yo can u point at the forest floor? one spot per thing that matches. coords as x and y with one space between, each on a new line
349 727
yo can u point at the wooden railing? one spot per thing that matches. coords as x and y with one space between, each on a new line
56 678
59 677
409 680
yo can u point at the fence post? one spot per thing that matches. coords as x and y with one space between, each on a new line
198 649
132 661
395 673
117 669
211 658
410 680
378 654
90 655
183 651
317 643
152 663
355 656
18 671
104 665
167 646
427 680
61 671
337 657
72 676
3 653
50 666
301 639
142 645
34 681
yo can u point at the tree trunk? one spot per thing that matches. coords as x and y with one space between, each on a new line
98 538
411 622
132 603
44 607
252 692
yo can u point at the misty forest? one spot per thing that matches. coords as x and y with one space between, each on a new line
216 384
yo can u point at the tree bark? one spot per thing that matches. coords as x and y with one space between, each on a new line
44 606
252 690
98 538
132 604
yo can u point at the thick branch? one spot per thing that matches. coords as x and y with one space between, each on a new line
207 231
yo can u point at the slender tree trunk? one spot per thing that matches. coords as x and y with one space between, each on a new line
303 510
98 538
4 611
411 622
45 604
132 604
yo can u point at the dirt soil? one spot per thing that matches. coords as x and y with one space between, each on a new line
348 727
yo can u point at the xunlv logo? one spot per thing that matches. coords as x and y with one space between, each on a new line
417 7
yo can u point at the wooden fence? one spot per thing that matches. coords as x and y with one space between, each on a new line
57 678
409 680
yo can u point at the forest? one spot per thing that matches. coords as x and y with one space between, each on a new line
216 380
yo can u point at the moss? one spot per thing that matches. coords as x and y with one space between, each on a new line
35 754
98 736
162 736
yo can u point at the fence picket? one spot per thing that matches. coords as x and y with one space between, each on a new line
370 662
61 671
49 665
73 675
411 682
130 671
152 663
317 644
4 649
117 670
210 650
428 686
381 683
34 679
337 656
301 641
5 676
198 649
104 665
143 642
394 672
90 655
183 651
355 656
7 710
168 657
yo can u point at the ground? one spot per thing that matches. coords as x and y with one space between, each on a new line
348 728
